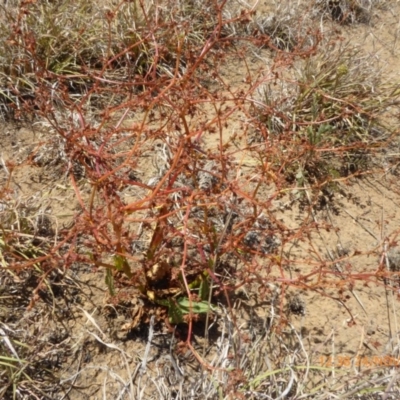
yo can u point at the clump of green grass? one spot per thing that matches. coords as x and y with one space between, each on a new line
11 366
22 372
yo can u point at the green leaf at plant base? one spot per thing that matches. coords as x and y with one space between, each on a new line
177 308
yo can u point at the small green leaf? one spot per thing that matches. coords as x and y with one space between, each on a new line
199 307
177 308
175 313
163 302
121 264
204 289
110 282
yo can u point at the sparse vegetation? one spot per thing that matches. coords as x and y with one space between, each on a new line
167 141
329 107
